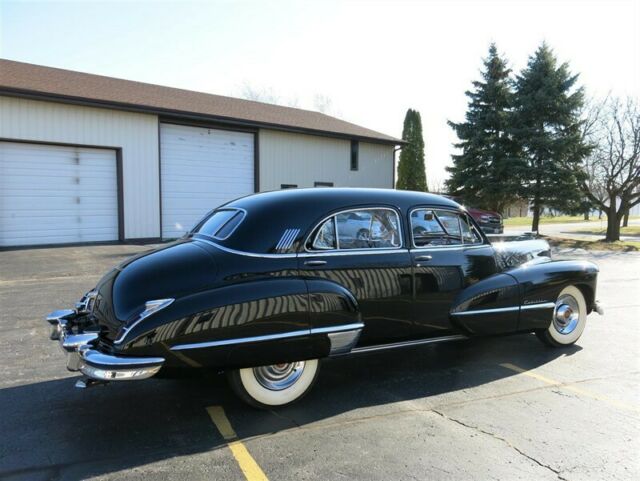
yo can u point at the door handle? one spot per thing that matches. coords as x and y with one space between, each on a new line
315 263
424 258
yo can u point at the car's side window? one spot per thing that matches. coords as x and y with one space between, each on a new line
434 227
359 229
470 235
326 236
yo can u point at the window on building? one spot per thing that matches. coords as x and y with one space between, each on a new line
288 186
355 147
323 184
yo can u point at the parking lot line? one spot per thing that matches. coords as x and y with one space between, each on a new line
569 387
247 464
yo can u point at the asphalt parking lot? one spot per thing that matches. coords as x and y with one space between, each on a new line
500 408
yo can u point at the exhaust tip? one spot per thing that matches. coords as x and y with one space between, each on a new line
87 382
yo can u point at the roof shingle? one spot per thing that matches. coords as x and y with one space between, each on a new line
19 77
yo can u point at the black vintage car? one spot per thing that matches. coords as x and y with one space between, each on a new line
265 286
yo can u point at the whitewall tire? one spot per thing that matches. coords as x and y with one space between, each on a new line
277 385
569 319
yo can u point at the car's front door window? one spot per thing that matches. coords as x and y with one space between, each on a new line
433 227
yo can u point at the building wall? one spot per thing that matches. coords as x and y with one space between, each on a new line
136 134
287 158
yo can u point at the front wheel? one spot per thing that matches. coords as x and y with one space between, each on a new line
569 319
276 385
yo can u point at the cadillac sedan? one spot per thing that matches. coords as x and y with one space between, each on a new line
266 286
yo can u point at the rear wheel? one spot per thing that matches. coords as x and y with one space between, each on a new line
276 385
569 319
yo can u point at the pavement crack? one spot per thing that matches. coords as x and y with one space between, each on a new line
501 439
286 418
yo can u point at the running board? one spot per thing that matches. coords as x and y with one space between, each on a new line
396 345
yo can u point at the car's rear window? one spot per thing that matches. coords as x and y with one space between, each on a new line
221 223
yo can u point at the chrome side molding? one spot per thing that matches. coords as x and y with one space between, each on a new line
269 337
495 310
343 342
396 345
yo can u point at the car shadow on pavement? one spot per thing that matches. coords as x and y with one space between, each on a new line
52 431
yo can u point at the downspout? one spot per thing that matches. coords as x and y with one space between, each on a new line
393 177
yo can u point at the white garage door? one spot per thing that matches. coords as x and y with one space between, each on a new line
200 169
56 195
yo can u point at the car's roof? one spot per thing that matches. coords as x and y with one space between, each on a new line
270 214
322 197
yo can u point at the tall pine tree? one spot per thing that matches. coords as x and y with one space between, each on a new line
547 128
484 173
411 170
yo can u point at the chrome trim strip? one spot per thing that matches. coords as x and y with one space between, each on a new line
159 304
240 340
487 311
267 337
450 247
244 253
344 327
542 305
525 307
352 252
395 345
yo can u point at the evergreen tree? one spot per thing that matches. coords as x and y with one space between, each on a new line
547 128
411 170
484 174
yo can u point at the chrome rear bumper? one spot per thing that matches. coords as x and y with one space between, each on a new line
83 356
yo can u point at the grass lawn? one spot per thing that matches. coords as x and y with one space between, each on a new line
559 219
630 230
599 245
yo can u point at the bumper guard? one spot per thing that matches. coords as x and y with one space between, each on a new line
83 356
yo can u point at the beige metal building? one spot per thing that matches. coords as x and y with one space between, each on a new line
87 158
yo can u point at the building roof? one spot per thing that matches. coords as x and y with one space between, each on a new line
37 81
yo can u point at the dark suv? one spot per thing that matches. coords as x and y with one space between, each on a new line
489 221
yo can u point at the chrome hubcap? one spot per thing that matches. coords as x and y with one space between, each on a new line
566 315
279 376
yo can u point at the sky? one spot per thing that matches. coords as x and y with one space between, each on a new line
372 59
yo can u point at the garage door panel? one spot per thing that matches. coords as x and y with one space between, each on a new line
52 194
201 169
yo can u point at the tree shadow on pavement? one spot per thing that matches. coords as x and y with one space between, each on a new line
52 431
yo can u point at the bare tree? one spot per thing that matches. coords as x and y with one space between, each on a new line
323 104
267 95
613 167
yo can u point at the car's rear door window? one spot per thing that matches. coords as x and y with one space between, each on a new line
360 229
326 237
